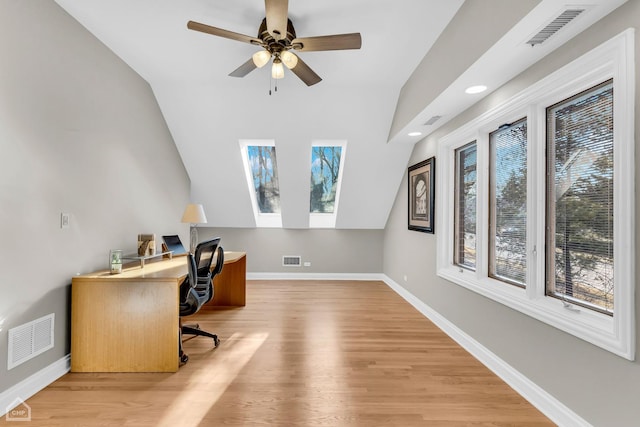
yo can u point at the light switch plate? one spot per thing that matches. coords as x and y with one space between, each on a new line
65 220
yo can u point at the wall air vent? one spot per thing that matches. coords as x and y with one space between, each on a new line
29 340
432 120
291 261
555 26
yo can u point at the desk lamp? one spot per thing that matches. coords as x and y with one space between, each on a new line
194 214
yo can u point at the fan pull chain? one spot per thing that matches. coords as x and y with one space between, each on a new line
275 89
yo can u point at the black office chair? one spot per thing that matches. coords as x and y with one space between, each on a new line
197 288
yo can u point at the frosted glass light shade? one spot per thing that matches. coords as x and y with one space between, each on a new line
261 58
289 59
277 71
194 214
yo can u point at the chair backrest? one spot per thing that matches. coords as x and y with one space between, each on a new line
188 294
219 262
204 256
197 289
215 270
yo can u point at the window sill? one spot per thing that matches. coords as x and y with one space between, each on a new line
597 328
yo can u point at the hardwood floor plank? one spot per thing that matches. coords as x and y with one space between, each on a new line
301 353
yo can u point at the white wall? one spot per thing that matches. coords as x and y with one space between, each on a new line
476 26
600 387
81 133
328 251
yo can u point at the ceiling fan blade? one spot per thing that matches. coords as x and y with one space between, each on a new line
305 73
244 69
334 42
277 11
203 28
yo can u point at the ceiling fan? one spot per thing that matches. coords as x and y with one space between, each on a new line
277 37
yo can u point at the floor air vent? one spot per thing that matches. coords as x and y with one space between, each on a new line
555 26
291 261
29 340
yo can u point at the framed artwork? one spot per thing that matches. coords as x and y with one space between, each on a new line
421 195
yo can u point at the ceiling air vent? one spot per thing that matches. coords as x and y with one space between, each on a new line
555 26
432 120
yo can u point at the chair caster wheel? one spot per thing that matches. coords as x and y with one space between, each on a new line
216 342
184 359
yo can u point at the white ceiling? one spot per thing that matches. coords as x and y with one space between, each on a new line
208 112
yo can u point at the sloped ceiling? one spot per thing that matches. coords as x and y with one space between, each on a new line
368 97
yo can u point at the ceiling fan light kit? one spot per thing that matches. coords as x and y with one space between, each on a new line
277 36
277 70
289 59
261 58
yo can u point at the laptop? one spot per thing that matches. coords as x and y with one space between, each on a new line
173 243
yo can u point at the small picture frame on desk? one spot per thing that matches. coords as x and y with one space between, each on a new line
146 244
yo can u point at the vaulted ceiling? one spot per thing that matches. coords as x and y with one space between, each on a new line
368 97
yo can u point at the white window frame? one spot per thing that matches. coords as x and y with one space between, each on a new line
613 59
263 220
328 220
457 185
493 200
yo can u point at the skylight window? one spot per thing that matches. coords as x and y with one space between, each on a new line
326 175
261 168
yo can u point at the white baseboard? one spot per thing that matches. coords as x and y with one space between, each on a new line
315 276
33 384
555 410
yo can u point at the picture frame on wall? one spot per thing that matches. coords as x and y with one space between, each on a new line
421 177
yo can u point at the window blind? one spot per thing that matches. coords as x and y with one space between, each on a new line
580 199
465 206
508 203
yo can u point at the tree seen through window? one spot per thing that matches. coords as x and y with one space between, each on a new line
325 172
264 172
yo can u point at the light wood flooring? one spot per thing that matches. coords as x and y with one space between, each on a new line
301 353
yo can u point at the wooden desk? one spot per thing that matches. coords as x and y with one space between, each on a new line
127 322
229 287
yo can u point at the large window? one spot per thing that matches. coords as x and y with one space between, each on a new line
538 212
508 203
580 199
465 206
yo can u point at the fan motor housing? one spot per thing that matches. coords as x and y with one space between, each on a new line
273 45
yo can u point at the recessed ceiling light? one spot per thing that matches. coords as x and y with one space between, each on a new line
475 89
414 133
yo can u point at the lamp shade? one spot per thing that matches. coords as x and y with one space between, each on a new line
194 214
